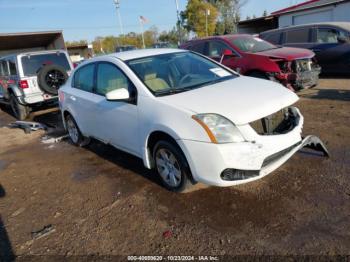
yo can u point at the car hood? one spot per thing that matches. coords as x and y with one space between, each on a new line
288 53
242 100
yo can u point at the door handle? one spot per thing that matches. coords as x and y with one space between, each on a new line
73 98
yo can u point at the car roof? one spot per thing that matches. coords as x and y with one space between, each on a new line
134 54
342 25
231 36
33 53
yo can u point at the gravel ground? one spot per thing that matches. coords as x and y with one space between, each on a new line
57 199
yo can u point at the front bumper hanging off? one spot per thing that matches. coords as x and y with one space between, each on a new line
313 142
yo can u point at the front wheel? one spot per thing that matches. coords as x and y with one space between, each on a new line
74 133
19 111
171 166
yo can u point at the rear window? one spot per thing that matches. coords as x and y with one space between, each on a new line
32 63
274 38
298 36
199 48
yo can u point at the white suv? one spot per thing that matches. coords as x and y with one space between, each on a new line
32 78
187 116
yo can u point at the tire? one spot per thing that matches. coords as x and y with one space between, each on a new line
258 74
74 132
19 111
171 166
51 78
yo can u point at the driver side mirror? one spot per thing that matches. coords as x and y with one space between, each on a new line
342 40
227 52
120 94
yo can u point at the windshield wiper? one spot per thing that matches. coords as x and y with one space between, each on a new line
180 90
172 91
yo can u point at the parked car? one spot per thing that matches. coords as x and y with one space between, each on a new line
190 118
162 45
124 48
32 78
330 41
249 55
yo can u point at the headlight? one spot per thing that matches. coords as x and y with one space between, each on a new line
219 129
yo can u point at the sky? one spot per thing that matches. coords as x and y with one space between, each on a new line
86 19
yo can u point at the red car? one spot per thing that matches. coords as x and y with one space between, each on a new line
295 68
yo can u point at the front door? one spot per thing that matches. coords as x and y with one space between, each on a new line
116 121
330 52
215 51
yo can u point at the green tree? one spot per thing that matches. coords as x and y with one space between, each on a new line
195 16
172 36
230 15
79 42
265 13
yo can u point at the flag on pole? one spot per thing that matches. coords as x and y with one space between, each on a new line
143 19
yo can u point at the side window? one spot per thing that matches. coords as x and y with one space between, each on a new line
199 48
4 68
13 68
84 78
110 78
1 69
328 35
274 38
216 48
298 36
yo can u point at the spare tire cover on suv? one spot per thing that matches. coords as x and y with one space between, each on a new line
51 77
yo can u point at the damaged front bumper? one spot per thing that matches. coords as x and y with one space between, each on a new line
298 74
274 161
238 163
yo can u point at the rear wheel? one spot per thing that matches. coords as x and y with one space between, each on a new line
19 111
171 166
74 133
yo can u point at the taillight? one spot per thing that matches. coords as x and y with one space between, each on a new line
60 96
23 84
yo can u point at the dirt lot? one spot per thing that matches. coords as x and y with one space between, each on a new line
101 201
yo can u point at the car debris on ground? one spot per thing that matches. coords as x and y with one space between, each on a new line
28 126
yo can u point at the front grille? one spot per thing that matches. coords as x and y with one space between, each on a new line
304 65
278 123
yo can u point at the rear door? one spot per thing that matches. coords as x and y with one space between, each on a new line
4 73
81 100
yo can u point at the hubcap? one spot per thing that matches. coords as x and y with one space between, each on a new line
72 130
168 167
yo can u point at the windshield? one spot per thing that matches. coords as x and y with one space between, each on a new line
252 44
33 63
177 72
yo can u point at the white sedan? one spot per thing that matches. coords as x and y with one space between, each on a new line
188 117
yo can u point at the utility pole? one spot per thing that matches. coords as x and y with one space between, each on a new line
117 7
178 23
207 13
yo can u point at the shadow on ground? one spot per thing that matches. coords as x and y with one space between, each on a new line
6 252
330 94
122 159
